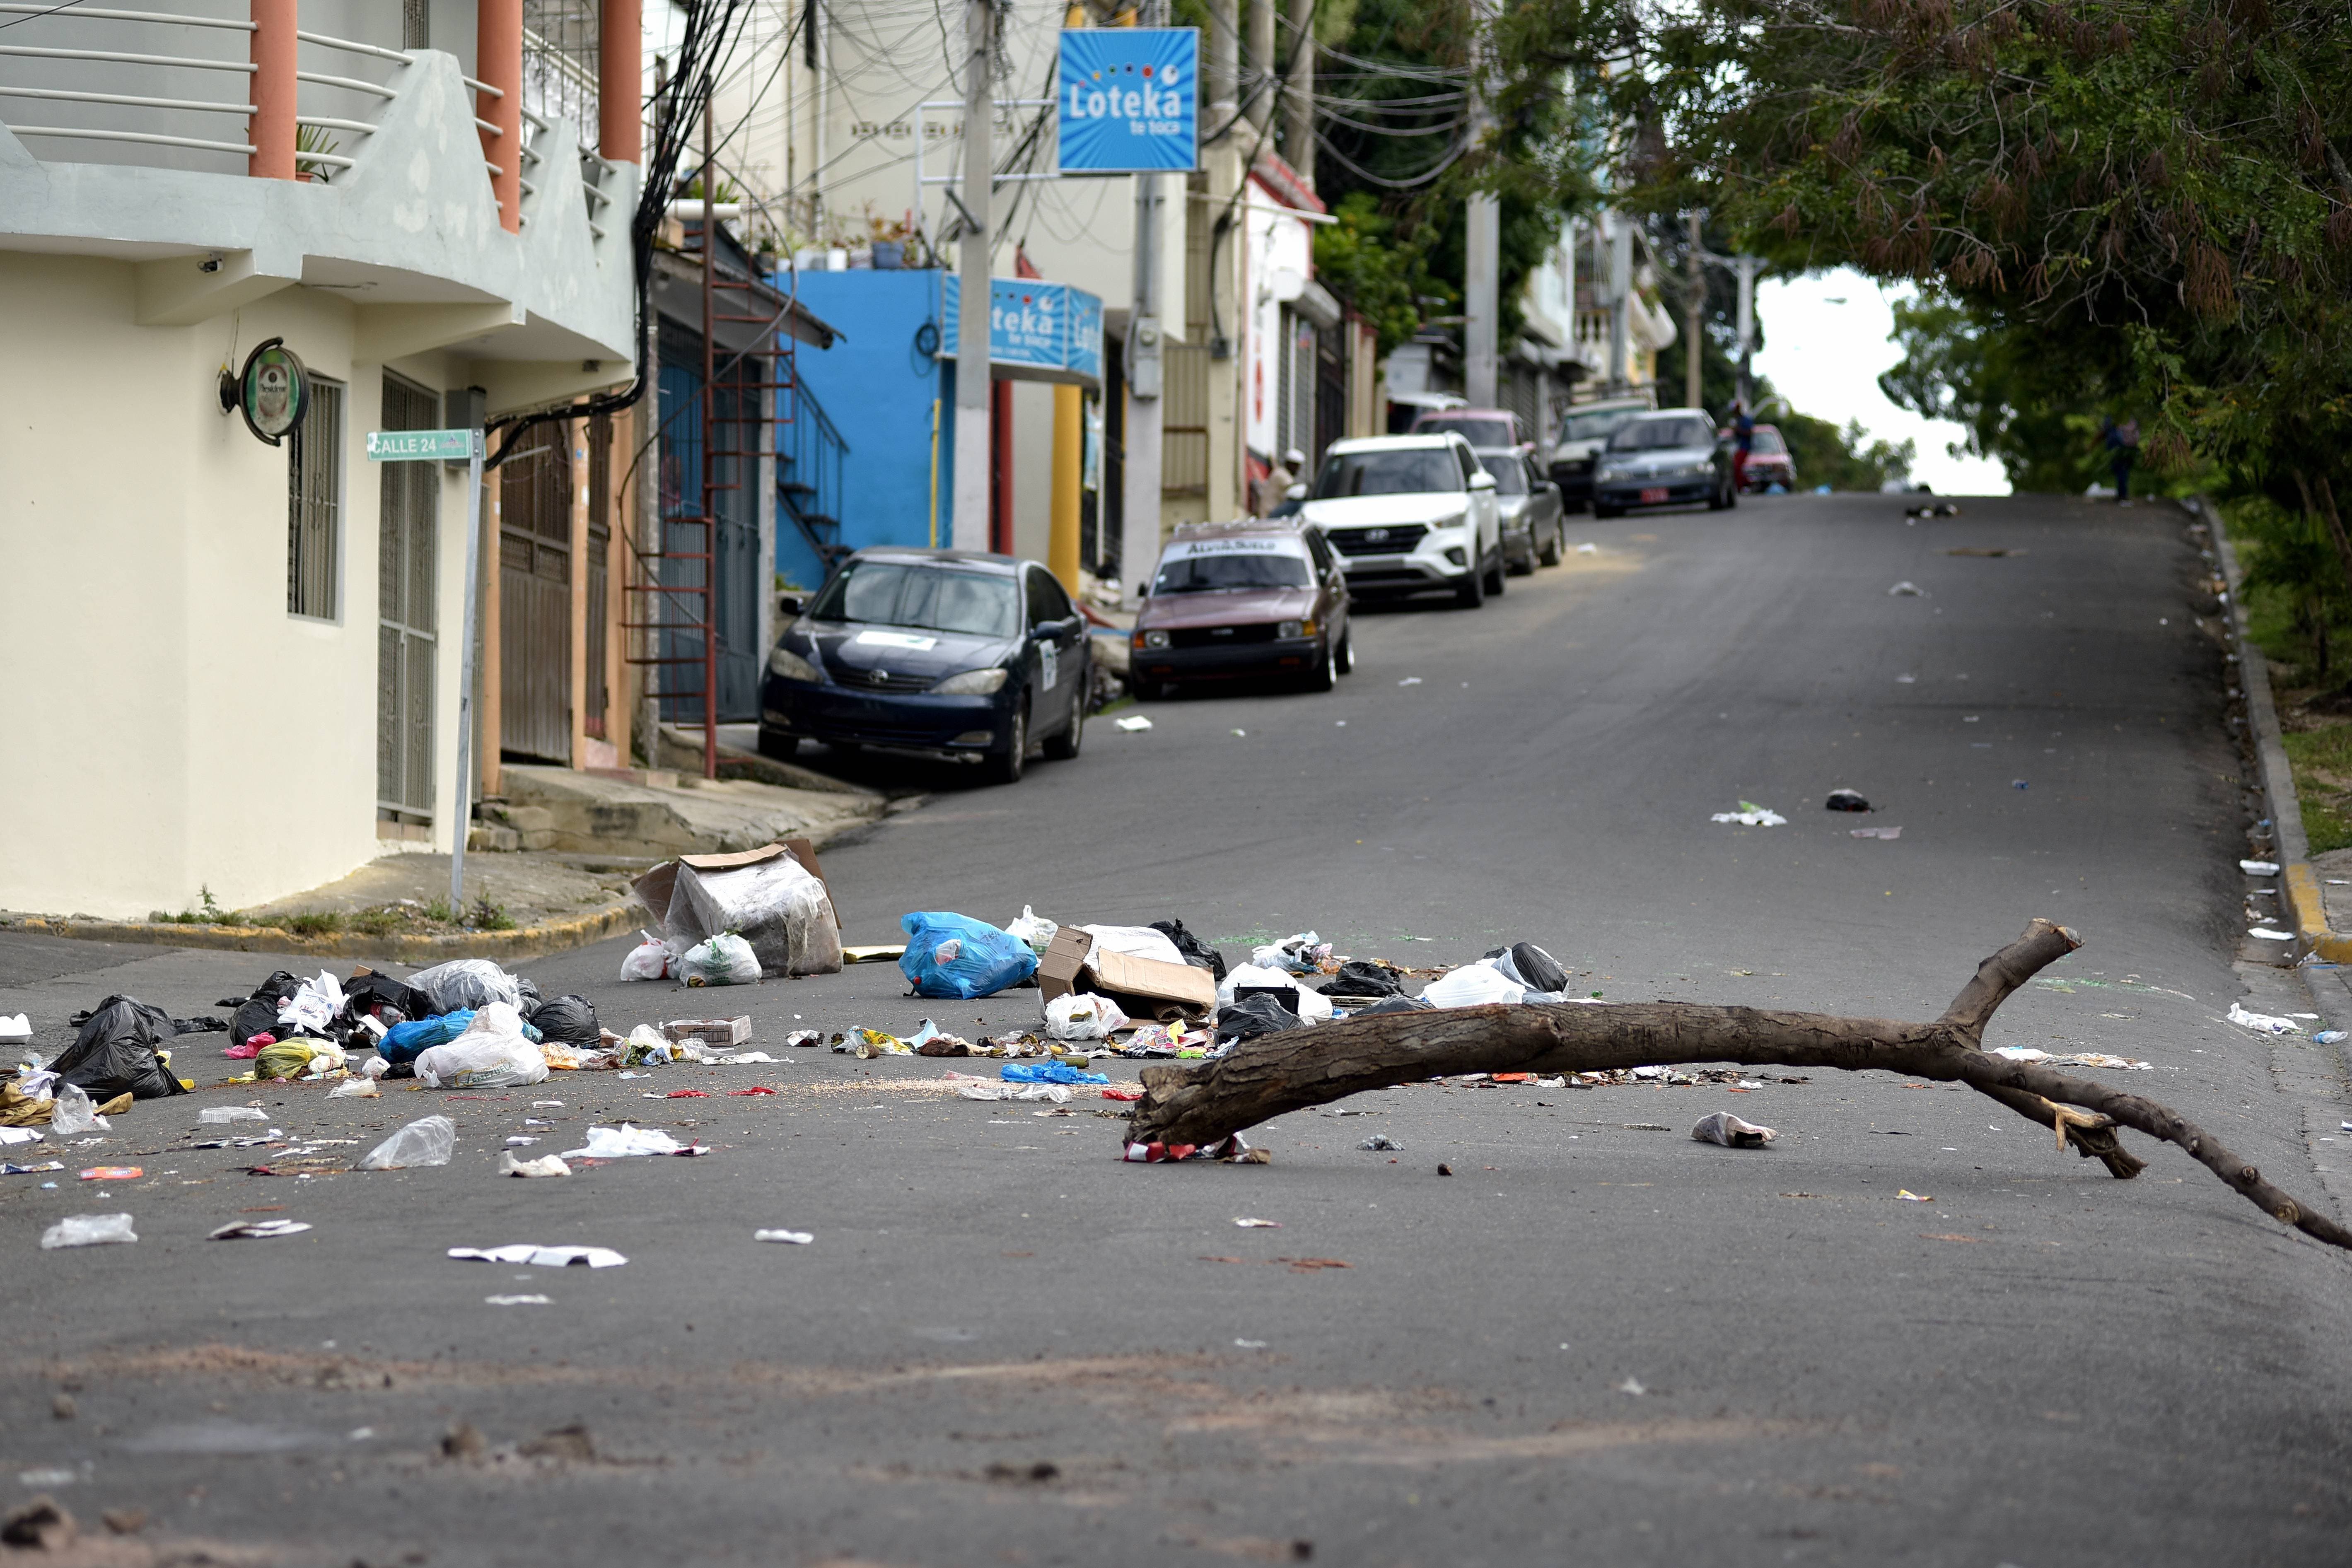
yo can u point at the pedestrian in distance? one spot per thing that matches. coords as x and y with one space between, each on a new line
2122 440
1743 442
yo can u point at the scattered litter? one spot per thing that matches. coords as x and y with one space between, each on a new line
2268 934
113 1173
1135 724
545 1166
684 1094
1410 681
1033 930
792 1238
1249 1345
518 1300
1633 1386
15 1026
258 1229
1874 832
1259 1224
755 1089
1906 680
2329 1036
492 1053
1242 732
630 1142
71 1114
1723 1127
724 1032
2259 868
545 1257
725 959
2263 1023
1908 1195
650 959
428 1140
1049 1073
8 1168
1907 591
1752 815
1082 1015
2027 1053
1588 547
1847 800
88 1231
1933 509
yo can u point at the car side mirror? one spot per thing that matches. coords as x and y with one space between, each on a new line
790 605
1482 480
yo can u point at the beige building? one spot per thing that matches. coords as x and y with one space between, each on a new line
235 664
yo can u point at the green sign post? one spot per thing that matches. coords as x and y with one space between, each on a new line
438 447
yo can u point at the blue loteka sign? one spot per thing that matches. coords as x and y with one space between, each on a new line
1051 331
1127 100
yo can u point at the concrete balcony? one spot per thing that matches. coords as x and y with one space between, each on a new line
137 136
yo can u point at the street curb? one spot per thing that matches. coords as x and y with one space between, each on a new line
2293 849
526 942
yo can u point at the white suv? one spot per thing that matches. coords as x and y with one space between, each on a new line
1411 513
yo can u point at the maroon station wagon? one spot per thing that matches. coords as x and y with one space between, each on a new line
1241 601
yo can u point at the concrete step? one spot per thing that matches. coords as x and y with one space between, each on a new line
591 813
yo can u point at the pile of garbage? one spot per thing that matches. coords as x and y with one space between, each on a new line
736 919
1159 991
121 1053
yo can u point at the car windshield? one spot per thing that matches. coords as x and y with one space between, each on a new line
934 598
1769 442
1477 432
1510 474
1409 471
1207 566
1651 434
1597 426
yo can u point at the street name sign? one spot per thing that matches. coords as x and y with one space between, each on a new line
420 446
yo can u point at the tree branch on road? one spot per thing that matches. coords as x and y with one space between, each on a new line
1203 1102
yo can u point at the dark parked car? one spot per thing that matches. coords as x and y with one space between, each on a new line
949 653
1241 599
1533 529
1669 458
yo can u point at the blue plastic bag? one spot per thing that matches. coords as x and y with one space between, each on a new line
1049 1073
401 1042
956 955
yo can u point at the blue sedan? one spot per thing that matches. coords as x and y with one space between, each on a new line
954 655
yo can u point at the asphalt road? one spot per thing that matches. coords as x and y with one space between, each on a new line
1598 1342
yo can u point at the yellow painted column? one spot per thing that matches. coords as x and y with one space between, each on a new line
1069 475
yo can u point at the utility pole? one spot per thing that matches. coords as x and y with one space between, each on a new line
1263 74
973 447
1744 269
1621 296
1481 304
1298 139
1694 311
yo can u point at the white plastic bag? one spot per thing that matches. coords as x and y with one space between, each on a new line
220 1115
428 1140
372 1066
1301 953
1082 1015
1312 1007
312 1006
545 1166
88 1231
359 1088
1471 984
775 905
467 983
1135 941
649 960
725 959
492 1053
1033 930
71 1114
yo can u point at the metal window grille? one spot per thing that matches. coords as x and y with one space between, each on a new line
314 484
559 64
415 32
408 553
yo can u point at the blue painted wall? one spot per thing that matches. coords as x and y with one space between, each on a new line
878 389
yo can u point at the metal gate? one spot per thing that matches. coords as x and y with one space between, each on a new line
407 557
535 595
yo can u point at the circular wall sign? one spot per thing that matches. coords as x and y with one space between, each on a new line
273 391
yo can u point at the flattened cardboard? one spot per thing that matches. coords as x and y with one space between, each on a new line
1143 987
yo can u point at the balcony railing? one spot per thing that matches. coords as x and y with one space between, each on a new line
177 89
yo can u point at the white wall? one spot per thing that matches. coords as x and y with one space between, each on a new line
171 727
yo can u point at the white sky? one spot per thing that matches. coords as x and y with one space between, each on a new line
1825 341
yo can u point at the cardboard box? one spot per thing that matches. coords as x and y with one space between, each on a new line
653 889
1144 988
710 1031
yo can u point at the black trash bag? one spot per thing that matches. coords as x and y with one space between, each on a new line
1394 1005
115 1052
1254 1012
1197 953
568 1020
1363 978
258 1014
1847 800
381 998
1526 964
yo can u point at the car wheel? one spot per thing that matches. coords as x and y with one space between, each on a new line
1555 548
1063 746
1523 562
783 747
1731 498
1496 574
1473 591
1325 674
1719 500
1005 768
1347 651
1603 512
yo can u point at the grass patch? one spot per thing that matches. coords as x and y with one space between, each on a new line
488 916
325 924
2321 761
379 922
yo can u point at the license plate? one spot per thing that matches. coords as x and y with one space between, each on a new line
1653 495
